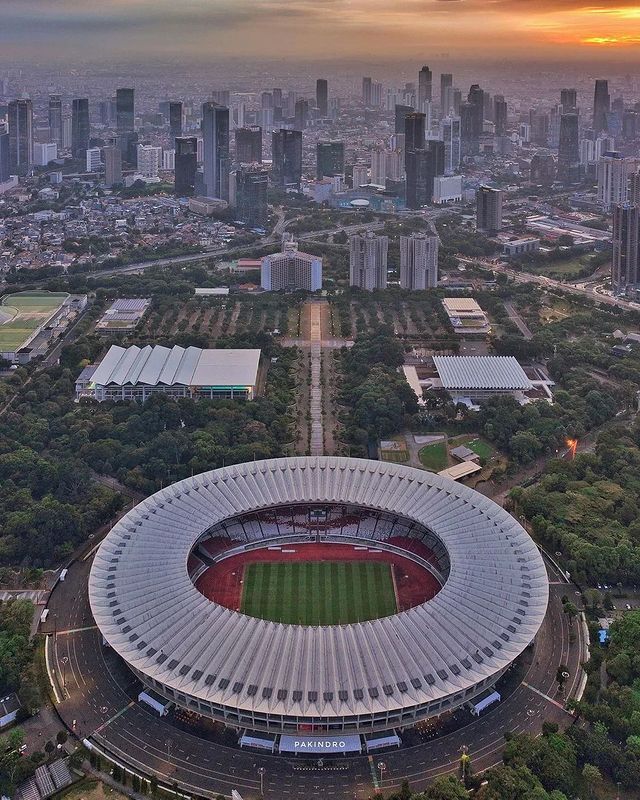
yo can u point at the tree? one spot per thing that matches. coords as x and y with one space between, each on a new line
446 788
570 610
592 778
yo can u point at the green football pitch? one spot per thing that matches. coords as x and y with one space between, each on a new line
318 592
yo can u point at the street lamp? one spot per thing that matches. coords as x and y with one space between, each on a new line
261 771
382 767
169 744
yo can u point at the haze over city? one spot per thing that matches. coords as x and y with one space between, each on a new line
317 29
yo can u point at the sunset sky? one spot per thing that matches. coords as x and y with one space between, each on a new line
208 29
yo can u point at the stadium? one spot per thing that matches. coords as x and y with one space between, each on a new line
322 595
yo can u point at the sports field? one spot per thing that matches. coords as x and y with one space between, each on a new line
22 313
318 592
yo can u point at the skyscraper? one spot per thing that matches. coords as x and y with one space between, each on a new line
112 165
366 91
569 149
329 159
215 137
80 128
401 113
476 99
301 114
419 261
489 210
55 119
415 159
625 264
613 179
368 261
425 87
286 151
251 184
450 135
601 105
500 115
149 160
569 101
414 131
446 82
249 145
4 155
175 119
291 270
125 115
422 166
20 136
185 165
322 97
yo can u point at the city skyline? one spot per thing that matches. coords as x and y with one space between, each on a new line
287 29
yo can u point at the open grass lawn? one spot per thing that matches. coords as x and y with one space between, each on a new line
481 448
434 456
23 312
318 592
567 268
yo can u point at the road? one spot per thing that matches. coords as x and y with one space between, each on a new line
517 320
98 702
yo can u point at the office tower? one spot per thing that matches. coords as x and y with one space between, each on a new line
93 159
301 114
379 167
249 145
251 184
422 166
266 100
401 113
44 153
613 179
80 129
125 115
625 264
277 98
414 131
587 152
630 124
4 155
425 87
476 98
20 114
55 119
221 97
450 135
568 149
540 128
394 165
169 160
602 145
112 165
446 83
286 149
366 91
329 159
359 176
601 105
291 270
489 210
322 97
185 165
215 135
149 159
469 142
569 101
368 261
500 115
542 170
419 261
175 119
104 112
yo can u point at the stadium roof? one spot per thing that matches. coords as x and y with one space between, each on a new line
481 372
488 611
177 366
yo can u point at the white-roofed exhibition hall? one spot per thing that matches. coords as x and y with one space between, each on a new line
369 675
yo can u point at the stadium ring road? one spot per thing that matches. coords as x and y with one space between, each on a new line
366 676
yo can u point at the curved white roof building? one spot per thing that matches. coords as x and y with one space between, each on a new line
252 673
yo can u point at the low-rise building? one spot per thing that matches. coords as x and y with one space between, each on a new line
135 373
466 316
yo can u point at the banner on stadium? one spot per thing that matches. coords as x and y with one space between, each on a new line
317 745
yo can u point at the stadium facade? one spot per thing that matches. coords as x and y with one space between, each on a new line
263 676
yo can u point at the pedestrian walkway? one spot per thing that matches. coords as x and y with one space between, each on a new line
315 406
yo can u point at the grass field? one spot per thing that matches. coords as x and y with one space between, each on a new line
22 313
318 592
434 456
